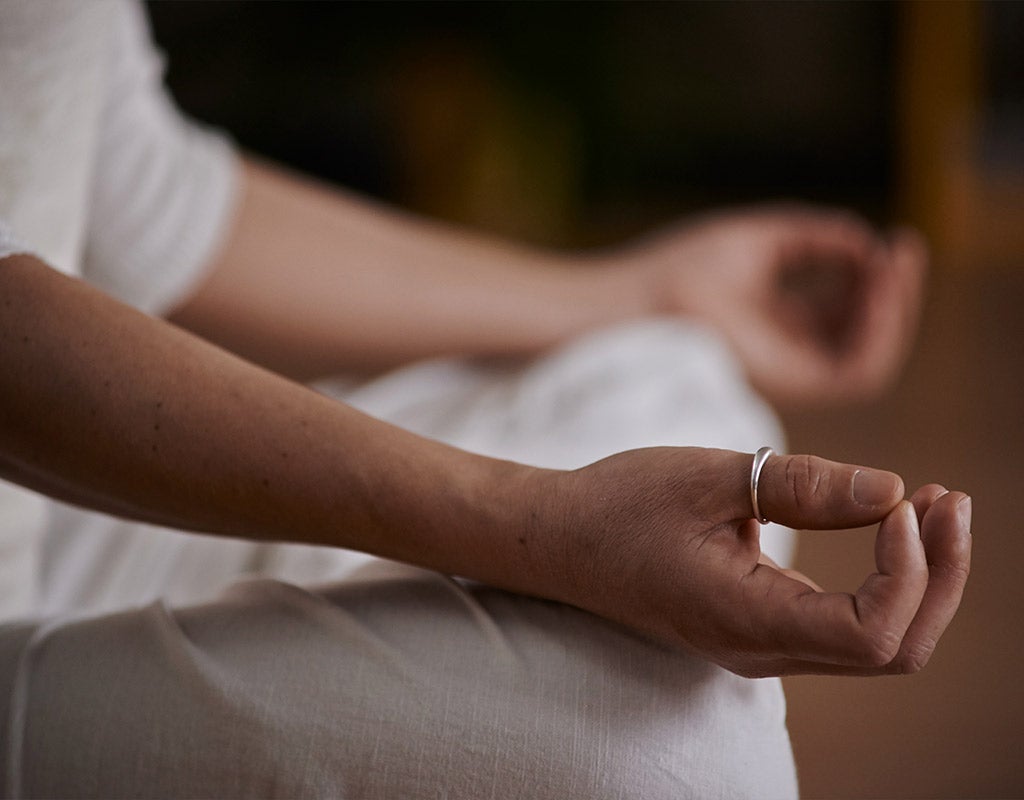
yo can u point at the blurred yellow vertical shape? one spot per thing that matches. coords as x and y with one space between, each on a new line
523 171
969 204
476 148
939 96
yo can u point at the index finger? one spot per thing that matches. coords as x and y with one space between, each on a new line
946 533
865 629
945 530
822 234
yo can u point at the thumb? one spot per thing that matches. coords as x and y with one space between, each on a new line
810 492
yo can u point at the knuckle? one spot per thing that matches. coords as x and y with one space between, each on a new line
807 480
914 658
879 648
954 574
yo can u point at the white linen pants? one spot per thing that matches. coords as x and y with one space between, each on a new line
170 665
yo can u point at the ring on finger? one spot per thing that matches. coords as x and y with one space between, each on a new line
760 458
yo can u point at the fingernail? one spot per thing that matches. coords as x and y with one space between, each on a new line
911 517
963 512
872 487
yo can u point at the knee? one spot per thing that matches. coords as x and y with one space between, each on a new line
586 709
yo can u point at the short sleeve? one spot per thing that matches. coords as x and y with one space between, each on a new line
53 61
9 245
163 188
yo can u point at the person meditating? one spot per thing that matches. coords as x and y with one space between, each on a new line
559 573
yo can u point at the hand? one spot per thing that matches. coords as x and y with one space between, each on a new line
818 307
662 540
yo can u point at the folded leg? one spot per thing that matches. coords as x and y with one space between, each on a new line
398 683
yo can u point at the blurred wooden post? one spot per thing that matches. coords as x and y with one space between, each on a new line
971 209
939 116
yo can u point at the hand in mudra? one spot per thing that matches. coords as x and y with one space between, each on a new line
817 305
662 540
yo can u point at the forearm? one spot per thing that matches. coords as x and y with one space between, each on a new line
313 281
117 411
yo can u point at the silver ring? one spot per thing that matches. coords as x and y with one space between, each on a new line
760 458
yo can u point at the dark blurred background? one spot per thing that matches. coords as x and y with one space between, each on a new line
578 124
582 114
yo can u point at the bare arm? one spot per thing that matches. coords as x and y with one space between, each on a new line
314 281
108 408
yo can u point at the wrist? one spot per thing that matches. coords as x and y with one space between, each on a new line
469 515
608 289
520 545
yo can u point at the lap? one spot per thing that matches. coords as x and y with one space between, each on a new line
396 683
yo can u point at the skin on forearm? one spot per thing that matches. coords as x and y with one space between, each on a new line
108 408
313 281
117 411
